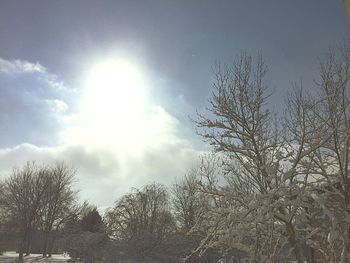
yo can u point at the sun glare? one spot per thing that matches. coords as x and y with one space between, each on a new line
114 97
114 87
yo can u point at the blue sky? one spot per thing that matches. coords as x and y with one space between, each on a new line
49 48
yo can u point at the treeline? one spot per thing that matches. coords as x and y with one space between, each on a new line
275 189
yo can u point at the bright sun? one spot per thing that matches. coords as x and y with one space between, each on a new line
114 86
114 98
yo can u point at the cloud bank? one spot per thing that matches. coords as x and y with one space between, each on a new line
110 158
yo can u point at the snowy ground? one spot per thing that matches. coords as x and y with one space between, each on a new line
10 257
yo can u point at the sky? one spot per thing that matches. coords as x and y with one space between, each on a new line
110 87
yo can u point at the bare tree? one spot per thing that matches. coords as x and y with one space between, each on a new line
2 208
57 200
3 218
189 203
142 218
22 197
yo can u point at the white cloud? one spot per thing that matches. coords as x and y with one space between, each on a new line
103 175
54 83
17 66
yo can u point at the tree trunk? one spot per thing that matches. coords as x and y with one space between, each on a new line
295 244
345 257
28 242
22 246
20 253
52 243
309 256
46 241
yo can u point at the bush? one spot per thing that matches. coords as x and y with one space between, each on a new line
85 246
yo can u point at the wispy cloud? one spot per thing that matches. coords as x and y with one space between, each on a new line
17 66
33 102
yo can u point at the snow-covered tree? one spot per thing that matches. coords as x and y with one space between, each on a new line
331 170
267 162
